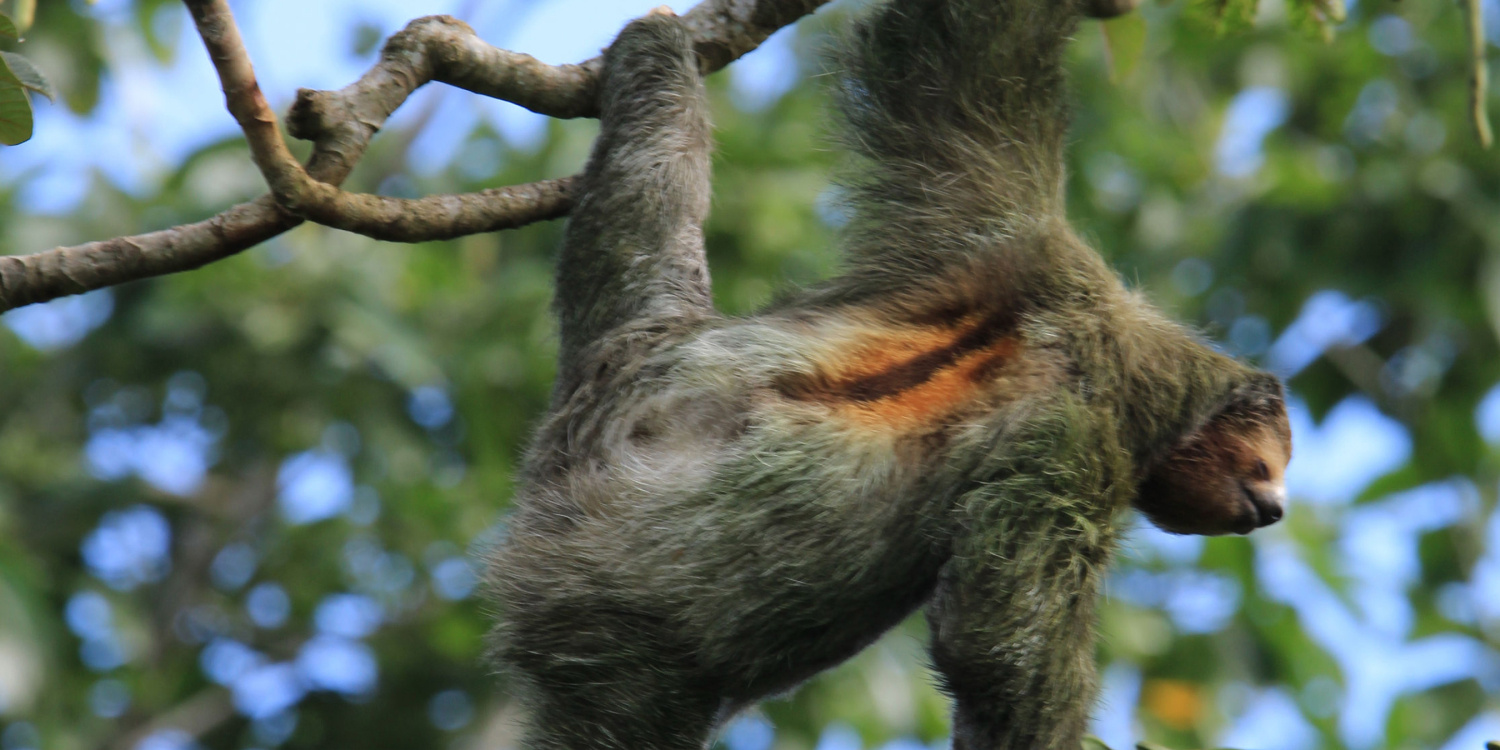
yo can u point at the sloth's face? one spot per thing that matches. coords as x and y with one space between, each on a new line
1226 478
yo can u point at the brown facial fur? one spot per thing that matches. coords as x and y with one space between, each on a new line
1225 478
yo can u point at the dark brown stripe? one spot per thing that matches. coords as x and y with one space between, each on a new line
917 370
995 362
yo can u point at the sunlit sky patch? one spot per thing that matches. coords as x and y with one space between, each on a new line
313 486
60 322
1252 115
1377 665
1271 720
1327 319
129 548
1119 692
1334 460
173 454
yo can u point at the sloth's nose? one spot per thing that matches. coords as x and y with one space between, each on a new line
1270 513
1269 503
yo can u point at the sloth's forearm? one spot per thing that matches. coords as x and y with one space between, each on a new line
958 109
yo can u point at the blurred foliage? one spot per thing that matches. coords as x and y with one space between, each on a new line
329 415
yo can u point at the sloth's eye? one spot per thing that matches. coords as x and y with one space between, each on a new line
1260 472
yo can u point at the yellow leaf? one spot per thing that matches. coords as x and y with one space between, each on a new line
1177 703
1124 41
25 14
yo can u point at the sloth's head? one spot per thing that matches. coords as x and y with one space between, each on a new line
1226 477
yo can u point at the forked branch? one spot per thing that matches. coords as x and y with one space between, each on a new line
341 123
418 220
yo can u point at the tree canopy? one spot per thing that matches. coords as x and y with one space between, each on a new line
246 506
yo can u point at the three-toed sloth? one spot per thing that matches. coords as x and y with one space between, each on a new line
717 508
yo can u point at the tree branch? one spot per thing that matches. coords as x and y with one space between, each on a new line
729 28
242 94
418 220
25 279
341 124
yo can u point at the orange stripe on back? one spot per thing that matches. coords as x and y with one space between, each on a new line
903 377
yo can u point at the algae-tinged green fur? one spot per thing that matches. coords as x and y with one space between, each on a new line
715 509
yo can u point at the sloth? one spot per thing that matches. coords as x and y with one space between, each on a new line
717 508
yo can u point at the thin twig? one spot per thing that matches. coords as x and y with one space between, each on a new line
1479 73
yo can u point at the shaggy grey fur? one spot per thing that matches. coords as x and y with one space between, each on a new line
716 509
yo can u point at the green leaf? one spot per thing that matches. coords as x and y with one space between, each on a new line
367 38
1125 38
1091 742
15 108
8 28
160 36
15 111
28 75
